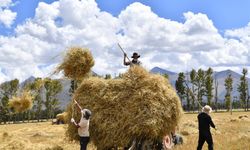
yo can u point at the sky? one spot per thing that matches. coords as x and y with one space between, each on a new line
176 35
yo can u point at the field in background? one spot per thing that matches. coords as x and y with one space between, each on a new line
233 134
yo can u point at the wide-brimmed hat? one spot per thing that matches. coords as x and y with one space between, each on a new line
135 55
207 109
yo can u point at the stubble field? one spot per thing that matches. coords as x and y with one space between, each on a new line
233 134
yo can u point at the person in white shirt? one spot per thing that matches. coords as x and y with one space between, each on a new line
83 128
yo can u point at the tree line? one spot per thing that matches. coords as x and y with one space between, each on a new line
199 88
42 109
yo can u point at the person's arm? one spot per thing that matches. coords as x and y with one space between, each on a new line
74 122
124 60
211 122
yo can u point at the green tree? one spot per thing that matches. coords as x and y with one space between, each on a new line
216 85
200 84
165 76
209 85
9 89
180 87
187 92
53 87
107 76
243 89
192 92
36 87
229 88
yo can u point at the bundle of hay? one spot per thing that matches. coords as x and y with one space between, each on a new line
139 105
77 63
22 103
62 117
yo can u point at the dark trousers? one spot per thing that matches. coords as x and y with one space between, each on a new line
83 143
205 137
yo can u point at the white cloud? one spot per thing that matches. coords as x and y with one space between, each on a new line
7 16
161 42
5 3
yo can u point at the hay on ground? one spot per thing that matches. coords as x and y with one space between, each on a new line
22 103
62 117
77 63
139 105
243 116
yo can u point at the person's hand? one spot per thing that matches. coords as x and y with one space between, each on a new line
82 111
72 120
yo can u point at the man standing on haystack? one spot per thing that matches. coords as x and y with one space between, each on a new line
205 122
135 60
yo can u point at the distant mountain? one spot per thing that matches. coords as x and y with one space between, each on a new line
64 96
27 81
162 71
172 76
225 73
219 76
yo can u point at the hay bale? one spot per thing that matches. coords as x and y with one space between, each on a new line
22 103
77 63
62 117
243 116
140 104
234 120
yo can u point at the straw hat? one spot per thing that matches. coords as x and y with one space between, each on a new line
135 55
207 109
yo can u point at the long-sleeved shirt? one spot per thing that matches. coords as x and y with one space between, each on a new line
205 122
83 126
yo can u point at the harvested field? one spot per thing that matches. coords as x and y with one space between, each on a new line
233 134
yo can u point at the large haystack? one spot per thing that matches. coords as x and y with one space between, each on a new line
138 105
77 63
22 103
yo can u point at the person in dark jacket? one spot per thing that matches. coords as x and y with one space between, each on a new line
205 122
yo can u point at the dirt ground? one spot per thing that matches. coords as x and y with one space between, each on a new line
233 134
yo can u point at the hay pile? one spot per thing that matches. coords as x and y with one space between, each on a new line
77 63
62 117
138 105
22 103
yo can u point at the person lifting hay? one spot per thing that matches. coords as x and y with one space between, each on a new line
134 61
83 127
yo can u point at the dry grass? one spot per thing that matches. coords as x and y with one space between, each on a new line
231 135
233 131
77 63
34 136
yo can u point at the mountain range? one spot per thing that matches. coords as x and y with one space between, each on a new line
64 96
219 76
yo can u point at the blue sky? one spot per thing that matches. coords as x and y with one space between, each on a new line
176 35
226 14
